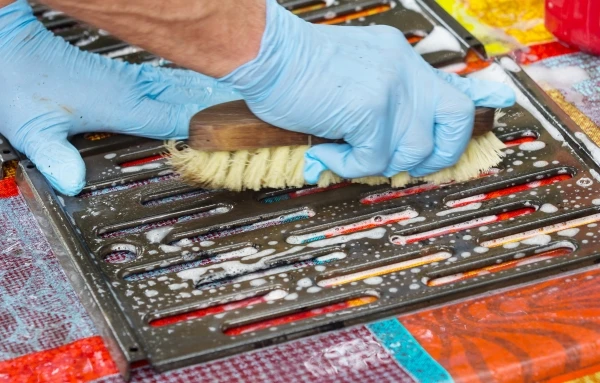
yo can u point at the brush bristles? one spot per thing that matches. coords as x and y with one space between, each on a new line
283 167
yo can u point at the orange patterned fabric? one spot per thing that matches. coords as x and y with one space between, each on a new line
525 335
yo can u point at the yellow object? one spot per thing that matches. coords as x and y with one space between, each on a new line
284 166
501 25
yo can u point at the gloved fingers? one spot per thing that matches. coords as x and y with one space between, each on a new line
58 160
181 77
483 93
344 160
155 119
414 147
454 119
174 94
178 86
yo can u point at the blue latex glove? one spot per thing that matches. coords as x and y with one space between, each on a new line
50 90
365 85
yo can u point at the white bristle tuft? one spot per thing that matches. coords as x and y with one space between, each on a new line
284 167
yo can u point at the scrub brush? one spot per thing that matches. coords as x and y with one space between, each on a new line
230 148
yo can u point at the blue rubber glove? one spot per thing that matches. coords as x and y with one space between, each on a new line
365 85
50 90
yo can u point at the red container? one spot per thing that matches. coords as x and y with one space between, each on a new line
575 22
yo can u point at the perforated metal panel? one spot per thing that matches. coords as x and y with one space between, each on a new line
176 275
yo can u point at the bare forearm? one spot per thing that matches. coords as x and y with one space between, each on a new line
210 36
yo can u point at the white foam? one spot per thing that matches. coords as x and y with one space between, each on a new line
178 286
471 206
495 72
569 232
584 182
440 39
275 295
548 208
150 166
590 146
157 235
559 78
408 4
110 156
304 282
151 293
540 164
532 146
377 233
454 68
508 64
169 248
373 281
538 240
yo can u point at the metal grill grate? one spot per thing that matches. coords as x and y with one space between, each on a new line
176 275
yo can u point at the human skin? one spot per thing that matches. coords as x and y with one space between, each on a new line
213 36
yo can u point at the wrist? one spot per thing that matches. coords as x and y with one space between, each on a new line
281 43
4 3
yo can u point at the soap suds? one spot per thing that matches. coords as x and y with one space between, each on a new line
440 39
377 233
590 146
373 281
495 72
471 206
548 208
563 79
539 240
157 235
509 64
408 4
532 146
569 232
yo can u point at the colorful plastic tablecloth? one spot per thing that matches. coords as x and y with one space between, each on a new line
547 331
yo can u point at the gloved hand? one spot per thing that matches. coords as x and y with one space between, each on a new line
365 85
50 90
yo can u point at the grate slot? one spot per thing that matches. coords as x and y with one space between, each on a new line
567 222
325 232
237 302
462 223
188 260
251 266
515 185
286 319
502 262
284 195
156 226
348 10
371 275
243 226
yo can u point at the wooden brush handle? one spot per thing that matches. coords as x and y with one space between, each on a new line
232 126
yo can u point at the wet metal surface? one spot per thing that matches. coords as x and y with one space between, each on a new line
176 275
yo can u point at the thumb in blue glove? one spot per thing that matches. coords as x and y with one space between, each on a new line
52 90
367 86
